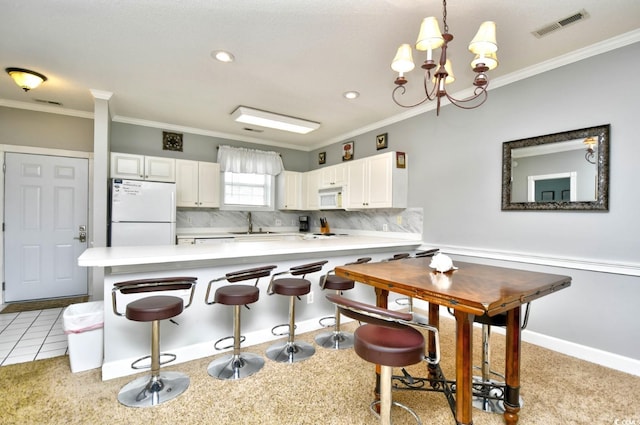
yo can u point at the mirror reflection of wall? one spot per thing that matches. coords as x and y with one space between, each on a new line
564 158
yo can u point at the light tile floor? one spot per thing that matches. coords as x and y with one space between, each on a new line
31 335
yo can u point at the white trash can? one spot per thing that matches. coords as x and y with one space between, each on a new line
83 324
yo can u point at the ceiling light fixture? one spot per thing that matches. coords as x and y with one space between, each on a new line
222 56
592 143
269 119
483 46
351 95
26 79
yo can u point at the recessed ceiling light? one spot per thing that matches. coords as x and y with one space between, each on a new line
222 56
351 95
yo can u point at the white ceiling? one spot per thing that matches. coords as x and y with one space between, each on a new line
293 57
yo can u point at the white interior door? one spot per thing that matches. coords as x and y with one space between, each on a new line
46 203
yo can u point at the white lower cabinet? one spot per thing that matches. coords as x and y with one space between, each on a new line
197 184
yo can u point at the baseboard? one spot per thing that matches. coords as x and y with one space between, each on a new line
582 352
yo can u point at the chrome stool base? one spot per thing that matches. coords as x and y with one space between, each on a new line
290 352
493 402
235 366
148 391
335 340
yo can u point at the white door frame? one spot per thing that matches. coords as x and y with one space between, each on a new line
51 152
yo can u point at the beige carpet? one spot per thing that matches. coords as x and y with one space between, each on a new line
333 387
42 304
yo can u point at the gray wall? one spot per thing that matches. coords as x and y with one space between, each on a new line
455 165
43 130
128 138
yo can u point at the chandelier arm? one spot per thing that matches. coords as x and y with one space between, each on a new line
393 96
461 103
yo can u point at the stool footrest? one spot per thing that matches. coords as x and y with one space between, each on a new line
273 330
135 365
231 337
395 403
325 319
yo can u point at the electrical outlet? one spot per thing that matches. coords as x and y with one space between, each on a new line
310 298
385 227
278 222
399 220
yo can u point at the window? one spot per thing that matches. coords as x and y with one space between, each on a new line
242 191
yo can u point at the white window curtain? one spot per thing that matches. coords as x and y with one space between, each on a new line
252 161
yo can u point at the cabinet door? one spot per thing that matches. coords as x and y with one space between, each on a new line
310 190
357 185
289 190
186 183
379 182
340 174
209 184
159 169
127 166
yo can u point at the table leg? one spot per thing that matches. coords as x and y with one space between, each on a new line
434 320
512 367
464 372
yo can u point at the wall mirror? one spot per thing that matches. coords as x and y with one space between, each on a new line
561 171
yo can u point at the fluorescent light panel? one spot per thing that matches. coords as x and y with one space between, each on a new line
271 120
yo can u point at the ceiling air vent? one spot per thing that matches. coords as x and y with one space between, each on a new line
561 23
49 102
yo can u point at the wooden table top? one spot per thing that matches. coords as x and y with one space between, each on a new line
475 288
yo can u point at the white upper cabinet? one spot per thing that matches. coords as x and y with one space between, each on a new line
197 184
310 187
289 190
140 167
333 176
376 182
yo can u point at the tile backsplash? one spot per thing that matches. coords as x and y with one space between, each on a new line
407 220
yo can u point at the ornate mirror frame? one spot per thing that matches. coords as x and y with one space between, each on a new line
601 202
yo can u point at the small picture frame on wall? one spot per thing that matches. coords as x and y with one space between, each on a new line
381 141
322 157
171 141
347 151
401 160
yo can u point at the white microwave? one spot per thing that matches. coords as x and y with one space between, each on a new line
330 199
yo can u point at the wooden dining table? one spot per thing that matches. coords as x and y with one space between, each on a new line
470 290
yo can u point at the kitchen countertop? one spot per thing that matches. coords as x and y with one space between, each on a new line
137 255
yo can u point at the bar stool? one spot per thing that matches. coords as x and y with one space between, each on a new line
156 388
292 351
489 393
237 365
337 339
390 339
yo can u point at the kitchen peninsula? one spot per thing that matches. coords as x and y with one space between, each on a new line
199 326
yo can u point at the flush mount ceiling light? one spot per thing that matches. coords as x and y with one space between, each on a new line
269 119
483 46
26 79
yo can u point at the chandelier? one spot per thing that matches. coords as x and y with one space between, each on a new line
483 46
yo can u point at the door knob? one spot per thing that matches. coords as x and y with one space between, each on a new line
82 233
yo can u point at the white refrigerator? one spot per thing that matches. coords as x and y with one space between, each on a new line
142 213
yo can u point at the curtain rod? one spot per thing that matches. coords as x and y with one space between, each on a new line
279 154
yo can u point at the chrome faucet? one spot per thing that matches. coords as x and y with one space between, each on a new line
250 223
